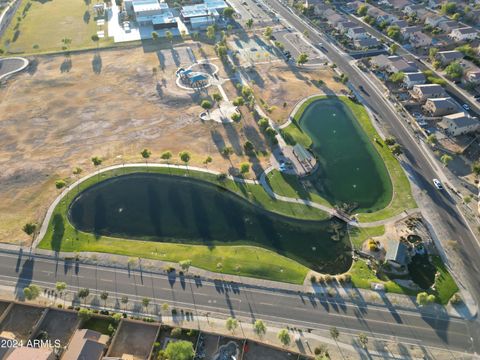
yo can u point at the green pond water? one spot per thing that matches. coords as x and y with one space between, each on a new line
350 169
169 208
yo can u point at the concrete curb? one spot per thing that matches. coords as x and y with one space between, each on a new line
24 65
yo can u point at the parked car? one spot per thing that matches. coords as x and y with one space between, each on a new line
438 184
466 107
126 26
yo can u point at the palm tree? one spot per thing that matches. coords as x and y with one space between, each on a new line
259 328
169 36
104 297
249 23
124 301
30 228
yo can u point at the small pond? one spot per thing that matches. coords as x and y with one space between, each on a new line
167 208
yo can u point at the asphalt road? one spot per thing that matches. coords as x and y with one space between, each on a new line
226 299
418 163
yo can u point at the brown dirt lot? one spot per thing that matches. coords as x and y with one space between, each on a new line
135 339
277 83
59 325
63 111
20 321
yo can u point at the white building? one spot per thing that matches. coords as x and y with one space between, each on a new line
463 34
357 33
459 124
428 91
413 78
151 13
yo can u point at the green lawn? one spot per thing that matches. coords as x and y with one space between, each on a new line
359 235
445 285
241 260
99 324
44 23
402 196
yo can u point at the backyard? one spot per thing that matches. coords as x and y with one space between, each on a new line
40 26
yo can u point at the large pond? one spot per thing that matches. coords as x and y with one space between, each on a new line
350 169
178 209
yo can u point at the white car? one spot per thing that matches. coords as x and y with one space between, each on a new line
466 107
126 26
438 184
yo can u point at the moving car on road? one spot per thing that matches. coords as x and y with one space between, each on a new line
438 184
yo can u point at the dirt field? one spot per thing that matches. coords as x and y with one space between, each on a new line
135 339
59 325
20 321
63 111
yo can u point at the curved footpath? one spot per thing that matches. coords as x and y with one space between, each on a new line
262 181
12 65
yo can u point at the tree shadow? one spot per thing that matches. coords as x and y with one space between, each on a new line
97 63
58 232
86 17
24 277
66 65
32 67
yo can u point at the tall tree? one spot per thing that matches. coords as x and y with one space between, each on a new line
284 337
231 324
166 155
259 328
96 39
249 23
83 294
104 297
185 157
145 154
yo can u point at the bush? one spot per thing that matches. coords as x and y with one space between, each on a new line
313 279
176 332
236 116
456 299
60 184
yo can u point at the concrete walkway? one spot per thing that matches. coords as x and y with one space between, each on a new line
12 65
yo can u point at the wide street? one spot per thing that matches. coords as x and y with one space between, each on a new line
418 164
227 299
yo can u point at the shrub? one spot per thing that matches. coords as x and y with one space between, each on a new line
313 279
176 332
60 184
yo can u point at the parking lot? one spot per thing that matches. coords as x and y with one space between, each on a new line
295 43
252 9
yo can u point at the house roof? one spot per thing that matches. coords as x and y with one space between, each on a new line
396 251
399 23
30 353
85 344
366 42
146 5
465 30
442 103
347 24
400 65
414 76
357 30
429 89
420 37
411 29
450 55
460 119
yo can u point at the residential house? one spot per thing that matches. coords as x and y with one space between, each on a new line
86 344
441 106
435 3
330 13
321 9
382 62
399 23
459 124
463 34
401 65
427 91
472 76
344 26
419 39
413 9
473 16
409 30
396 4
413 78
335 19
446 57
448 26
366 43
380 15
354 5
357 33
435 20
31 353
397 254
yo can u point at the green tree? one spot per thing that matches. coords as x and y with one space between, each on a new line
185 157
268 32
448 8
59 184
60 286
231 324
222 51
227 151
228 12
249 147
424 299
238 101
393 49
244 167
432 53
83 294
169 36
185 264
249 23
77 171
467 50
31 292
145 154
30 228
95 39
179 350
166 155
207 160
363 339
96 161
104 297
145 302
154 36
259 328
454 70
396 149
217 97
393 32
431 139
165 307
476 168
236 116
284 337
206 104
397 77
302 59
84 314
211 32
362 10
334 333
124 301
263 124
445 159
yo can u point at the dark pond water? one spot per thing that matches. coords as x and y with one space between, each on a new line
177 209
